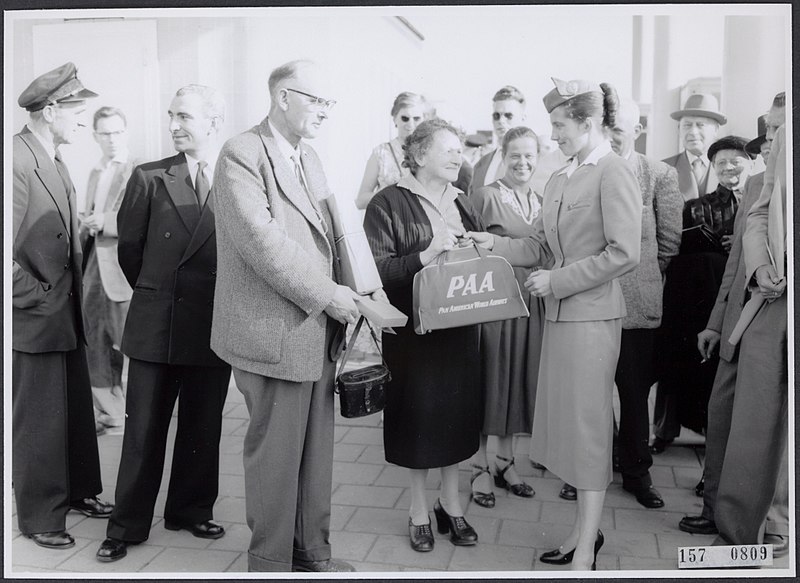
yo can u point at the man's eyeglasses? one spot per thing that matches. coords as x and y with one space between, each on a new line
508 115
107 135
323 104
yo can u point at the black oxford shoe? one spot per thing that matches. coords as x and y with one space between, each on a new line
421 536
205 529
112 549
326 566
647 496
92 507
59 539
697 525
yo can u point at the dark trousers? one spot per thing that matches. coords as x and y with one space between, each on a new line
194 478
634 377
758 430
54 445
288 464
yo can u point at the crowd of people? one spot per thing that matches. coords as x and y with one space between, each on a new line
634 271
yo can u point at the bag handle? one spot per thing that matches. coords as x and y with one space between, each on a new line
482 253
352 343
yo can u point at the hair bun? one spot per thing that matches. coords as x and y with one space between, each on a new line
610 105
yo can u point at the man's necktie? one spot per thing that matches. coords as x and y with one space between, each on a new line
298 171
201 186
699 171
61 168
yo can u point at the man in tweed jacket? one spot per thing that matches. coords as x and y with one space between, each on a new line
279 320
642 288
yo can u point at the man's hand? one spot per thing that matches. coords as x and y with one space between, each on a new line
727 242
342 307
707 342
95 222
538 283
769 284
482 239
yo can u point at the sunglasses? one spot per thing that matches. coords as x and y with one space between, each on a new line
406 119
508 115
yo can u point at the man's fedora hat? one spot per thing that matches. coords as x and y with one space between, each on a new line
703 105
753 147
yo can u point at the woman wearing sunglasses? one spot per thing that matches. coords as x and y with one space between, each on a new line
384 167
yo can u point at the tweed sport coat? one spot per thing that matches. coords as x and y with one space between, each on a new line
731 296
588 233
276 260
662 205
168 253
115 285
46 254
686 181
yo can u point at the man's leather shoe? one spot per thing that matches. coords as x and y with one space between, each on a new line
112 549
659 445
326 566
568 492
59 539
700 489
205 529
647 496
697 525
92 507
780 544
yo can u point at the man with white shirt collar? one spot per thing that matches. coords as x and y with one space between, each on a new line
106 291
280 326
508 111
55 463
699 122
168 252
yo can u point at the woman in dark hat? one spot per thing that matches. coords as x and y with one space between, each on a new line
587 235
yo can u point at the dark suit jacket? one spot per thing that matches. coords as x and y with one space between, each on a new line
686 181
167 250
479 172
46 255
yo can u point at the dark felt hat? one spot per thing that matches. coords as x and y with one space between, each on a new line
753 147
57 86
729 143
703 105
476 140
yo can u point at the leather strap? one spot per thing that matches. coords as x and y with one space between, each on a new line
352 343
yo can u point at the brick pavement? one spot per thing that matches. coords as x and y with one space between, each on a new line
369 517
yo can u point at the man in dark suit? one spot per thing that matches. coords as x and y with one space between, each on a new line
55 463
107 294
642 288
508 111
167 250
724 316
280 323
699 122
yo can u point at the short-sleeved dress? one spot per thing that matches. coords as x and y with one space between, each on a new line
510 349
433 411
390 159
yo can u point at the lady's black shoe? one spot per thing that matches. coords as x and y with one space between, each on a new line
556 557
421 536
522 489
461 533
568 492
481 498
700 489
659 445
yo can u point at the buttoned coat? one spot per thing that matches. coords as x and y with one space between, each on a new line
731 296
588 234
686 180
275 260
113 279
46 253
662 205
167 251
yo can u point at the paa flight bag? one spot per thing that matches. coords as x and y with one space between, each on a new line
465 286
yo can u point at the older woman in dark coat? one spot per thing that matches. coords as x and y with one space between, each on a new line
433 411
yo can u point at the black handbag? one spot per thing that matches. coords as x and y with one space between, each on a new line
362 391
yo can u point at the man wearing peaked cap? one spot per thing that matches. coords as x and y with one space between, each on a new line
55 464
699 122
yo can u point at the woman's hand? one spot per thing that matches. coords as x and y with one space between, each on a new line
482 239
538 283
379 296
707 342
442 241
